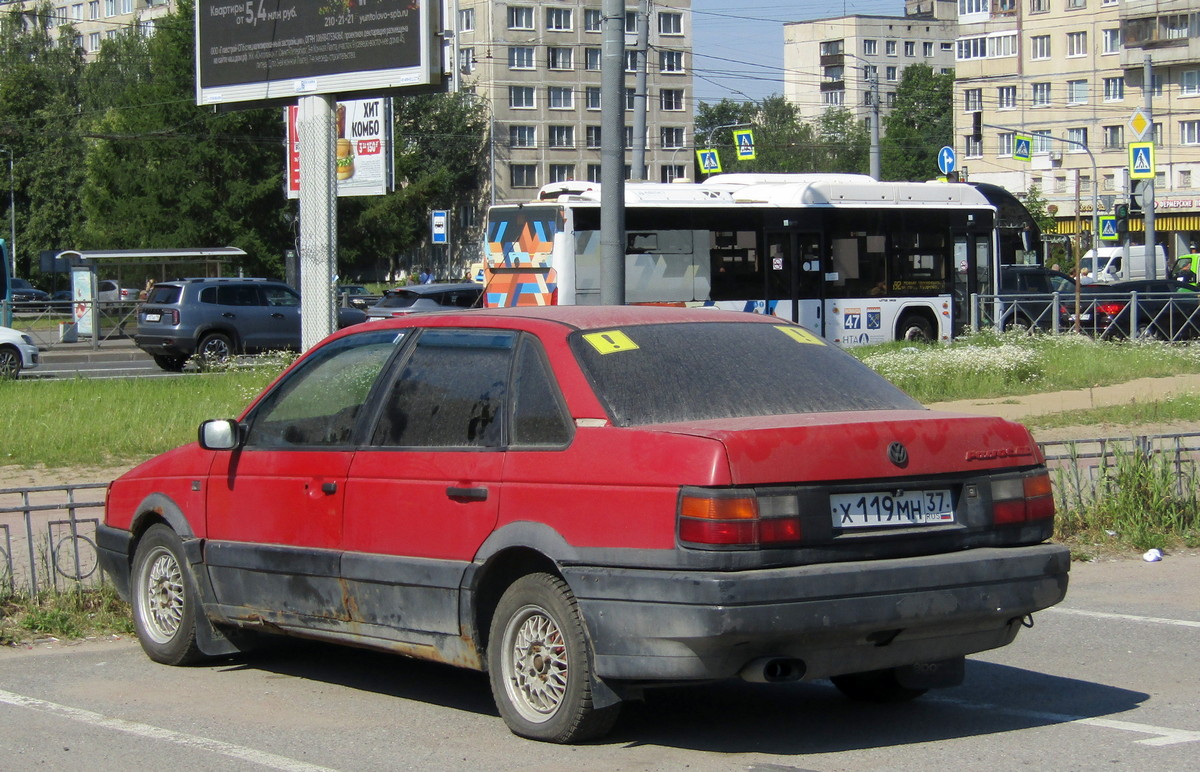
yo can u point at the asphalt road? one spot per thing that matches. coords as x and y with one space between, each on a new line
1108 681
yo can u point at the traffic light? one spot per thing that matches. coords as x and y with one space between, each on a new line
1121 213
1135 197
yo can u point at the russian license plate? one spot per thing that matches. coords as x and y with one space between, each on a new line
887 508
153 317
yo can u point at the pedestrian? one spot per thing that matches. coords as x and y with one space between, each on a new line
1085 277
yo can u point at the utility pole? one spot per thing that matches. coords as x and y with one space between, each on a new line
639 92
876 166
612 154
1148 185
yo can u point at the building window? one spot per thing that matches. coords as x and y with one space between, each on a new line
891 73
672 137
972 6
1112 41
523 175
1006 97
1041 141
671 99
1077 44
831 47
562 137
1041 94
593 20
520 57
1189 132
910 48
591 59
671 172
973 100
1039 47
522 136
466 20
1189 82
1077 92
558 19
833 98
630 98
593 135
927 49
592 96
889 47
974 146
561 97
593 172
94 9
1114 89
1006 139
520 97
968 48
94 42
1002 45
110 9
1077 135
520 17
1185 179
670 23
870 47
1039 6
1114 137
670 61
631 60
562 172
558 58
1073 4
1108 182
466 60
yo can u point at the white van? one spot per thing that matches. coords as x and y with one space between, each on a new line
1107 264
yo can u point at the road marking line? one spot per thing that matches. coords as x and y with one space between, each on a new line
1163 735
1126 617
158 733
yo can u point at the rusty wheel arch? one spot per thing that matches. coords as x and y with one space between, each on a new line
496 575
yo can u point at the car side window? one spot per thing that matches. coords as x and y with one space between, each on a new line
238 295
451 393
319 404
280 296
539 416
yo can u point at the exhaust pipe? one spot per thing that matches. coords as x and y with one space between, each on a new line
773 670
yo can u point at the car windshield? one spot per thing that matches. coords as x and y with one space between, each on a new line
691 372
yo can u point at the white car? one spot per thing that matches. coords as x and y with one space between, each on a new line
108 291
17 352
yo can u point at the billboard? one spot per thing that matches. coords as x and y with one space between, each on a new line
268 50
363 150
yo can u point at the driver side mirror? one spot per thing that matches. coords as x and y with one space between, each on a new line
220 434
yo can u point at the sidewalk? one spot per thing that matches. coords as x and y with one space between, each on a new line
115 349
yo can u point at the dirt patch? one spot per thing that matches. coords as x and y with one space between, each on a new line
36 476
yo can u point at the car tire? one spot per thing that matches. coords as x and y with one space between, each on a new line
170 364
539 664
164 598
10 362
880 686
915 328
214 347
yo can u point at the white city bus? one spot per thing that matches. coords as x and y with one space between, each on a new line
856 260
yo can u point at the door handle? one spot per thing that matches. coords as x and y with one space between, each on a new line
277 315
469 494
329 488
228 315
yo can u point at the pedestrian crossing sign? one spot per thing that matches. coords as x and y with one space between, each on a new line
1141 160
744 139
1108 227
1022 146
710 161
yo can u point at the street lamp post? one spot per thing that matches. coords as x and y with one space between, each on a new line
12 213
871 74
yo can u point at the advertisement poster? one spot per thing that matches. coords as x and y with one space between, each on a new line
363 148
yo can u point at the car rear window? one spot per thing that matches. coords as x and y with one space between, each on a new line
164 293
398 299
692 372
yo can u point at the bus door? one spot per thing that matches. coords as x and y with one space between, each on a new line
972 276
795 278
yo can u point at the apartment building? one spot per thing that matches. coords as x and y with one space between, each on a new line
843 61
97 20
537 65
1069 74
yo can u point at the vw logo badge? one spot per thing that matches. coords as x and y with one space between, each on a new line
898 454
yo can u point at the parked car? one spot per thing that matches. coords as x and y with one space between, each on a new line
61 300
588 501
23 293
356 294
1026 297
217 318
419 298
109 291
17 352
1166 309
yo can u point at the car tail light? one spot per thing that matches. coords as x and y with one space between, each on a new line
737 519
1112 309
1023 499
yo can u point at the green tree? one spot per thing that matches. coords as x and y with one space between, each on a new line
842 141
919 125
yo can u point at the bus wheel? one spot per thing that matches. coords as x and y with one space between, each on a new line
916 328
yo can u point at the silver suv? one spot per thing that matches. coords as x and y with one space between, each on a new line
217 318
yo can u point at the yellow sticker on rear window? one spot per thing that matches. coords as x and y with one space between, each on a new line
801 335
610 342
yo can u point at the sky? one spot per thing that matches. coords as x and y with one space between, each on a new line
738 44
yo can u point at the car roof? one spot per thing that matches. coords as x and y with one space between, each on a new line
433 289
576 317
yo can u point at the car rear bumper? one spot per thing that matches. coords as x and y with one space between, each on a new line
833 618
165 345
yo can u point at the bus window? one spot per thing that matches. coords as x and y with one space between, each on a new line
736 270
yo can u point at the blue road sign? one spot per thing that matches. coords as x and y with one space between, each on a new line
745 144
1022 147
1108 227
947 160
437 226
710 161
